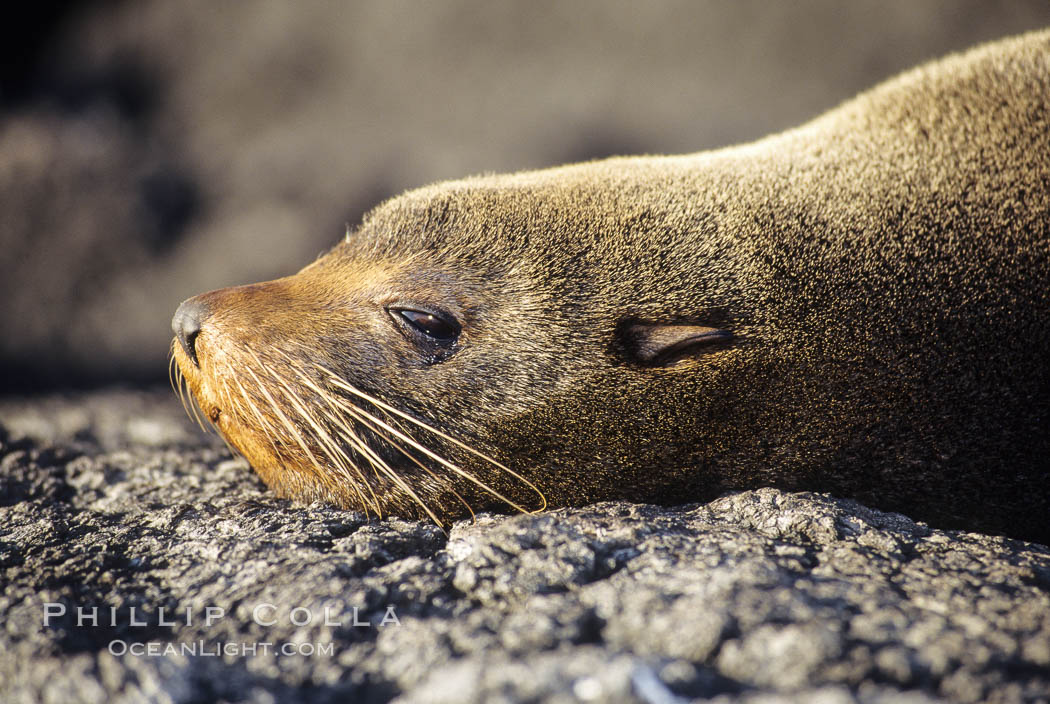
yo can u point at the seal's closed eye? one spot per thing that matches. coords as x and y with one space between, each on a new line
657 345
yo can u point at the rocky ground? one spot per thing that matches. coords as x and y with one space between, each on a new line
112 500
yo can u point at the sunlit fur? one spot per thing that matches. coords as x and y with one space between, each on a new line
320 419
883 271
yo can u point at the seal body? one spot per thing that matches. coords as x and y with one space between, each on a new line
858 306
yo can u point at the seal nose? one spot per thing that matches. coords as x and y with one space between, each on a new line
186 324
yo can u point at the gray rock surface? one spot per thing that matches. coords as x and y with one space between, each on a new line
112 500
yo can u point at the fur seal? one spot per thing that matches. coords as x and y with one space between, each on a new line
858 306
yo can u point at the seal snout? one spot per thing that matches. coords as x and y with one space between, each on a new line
186 324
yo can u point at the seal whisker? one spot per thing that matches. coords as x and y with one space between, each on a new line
381 466
172 366
227 397
195 409
367 417
415 460
189 406
348 433
345 465
289 426
212 424
328 446
269 432
376 425
337 381
377 462
343 460
312 457
178 383
264 425
233 450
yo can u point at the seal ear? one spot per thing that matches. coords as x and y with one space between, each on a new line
655 345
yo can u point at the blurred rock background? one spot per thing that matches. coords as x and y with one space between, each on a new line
152 150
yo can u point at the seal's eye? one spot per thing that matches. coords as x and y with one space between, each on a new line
443 328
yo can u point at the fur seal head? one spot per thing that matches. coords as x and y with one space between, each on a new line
857 306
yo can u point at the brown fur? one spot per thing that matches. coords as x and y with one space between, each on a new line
883 270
